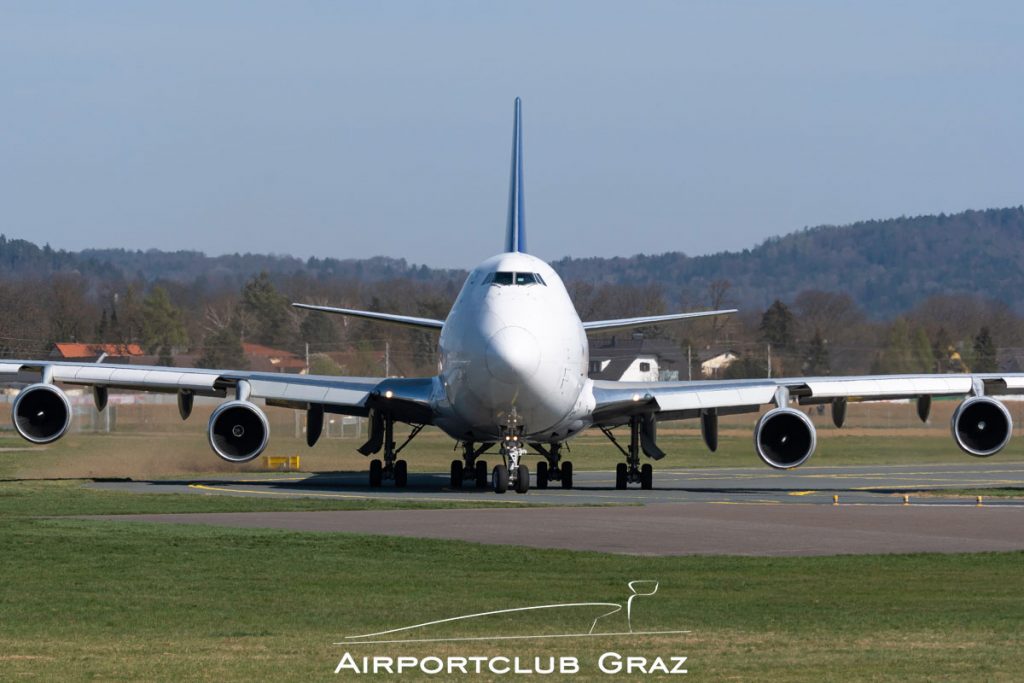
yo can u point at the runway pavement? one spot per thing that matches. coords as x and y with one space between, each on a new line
669 528
699 511
876 484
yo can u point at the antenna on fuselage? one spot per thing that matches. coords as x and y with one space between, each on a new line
515 231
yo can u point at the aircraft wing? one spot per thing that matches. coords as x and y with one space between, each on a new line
407 320
784 437
616 401
343 395
643 321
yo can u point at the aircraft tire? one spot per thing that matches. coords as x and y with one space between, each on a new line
456 479
499 479
620 475
522 479
542 475
401 474
566 475
647 477
376 473
481 474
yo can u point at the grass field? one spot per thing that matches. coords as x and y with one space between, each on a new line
92 600
118 601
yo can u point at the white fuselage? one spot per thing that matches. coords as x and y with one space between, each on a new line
513 349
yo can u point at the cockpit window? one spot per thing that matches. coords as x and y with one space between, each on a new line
525 278
507 278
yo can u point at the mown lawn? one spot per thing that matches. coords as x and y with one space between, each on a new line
87 600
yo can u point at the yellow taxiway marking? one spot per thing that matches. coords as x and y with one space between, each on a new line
802 493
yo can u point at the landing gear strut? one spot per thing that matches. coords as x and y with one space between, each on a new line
390 468
630 472
470 468
549 469
511 472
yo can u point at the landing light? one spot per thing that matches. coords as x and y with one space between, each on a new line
388 393
636 397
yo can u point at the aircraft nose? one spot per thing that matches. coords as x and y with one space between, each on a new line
513 355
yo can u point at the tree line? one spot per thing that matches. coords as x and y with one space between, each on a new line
815 333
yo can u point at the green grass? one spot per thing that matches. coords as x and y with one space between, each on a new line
106 601
73 497
89 600
1010 492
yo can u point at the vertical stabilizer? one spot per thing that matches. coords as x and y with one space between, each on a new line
515 231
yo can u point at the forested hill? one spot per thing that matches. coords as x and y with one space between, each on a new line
887 266
21 258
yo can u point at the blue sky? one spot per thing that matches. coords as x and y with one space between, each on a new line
351 129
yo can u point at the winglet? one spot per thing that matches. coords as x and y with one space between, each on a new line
515 230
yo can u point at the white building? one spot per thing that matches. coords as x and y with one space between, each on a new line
633 359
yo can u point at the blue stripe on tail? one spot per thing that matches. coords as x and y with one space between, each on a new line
515 231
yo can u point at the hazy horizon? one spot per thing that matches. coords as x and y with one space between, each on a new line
354 130
467 266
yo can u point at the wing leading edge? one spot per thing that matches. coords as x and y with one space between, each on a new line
407 320
641 321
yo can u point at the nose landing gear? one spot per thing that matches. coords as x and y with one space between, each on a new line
512 472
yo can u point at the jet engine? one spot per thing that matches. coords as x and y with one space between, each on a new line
41 413
784 438
982 426
238 431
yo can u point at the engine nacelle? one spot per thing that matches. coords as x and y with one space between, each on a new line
238 431
41 413
982 426
784 438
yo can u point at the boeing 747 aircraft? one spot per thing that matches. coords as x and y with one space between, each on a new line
513 360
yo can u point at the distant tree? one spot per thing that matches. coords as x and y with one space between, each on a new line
319 330
833 314
778 327
923 353
816 362
321 364
898 355
163 328
68 310
222 348
747 367
103 328
126 321
719 298
985 352
265 312
942 347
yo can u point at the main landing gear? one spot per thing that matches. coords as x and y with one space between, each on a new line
470 468
630 472
549 469
382 435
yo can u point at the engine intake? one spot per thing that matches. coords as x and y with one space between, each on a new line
41 413
238 431
784 438
982 426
